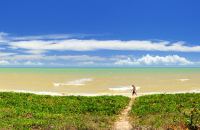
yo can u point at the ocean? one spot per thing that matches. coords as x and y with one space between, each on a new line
99 81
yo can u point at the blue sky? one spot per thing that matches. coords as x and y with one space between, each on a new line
109 33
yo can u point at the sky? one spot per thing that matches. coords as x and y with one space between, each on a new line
99 33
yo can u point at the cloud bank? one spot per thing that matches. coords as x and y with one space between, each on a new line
71 42
86 60
92 45
64 50
155 60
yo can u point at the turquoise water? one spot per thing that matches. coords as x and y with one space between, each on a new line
94 70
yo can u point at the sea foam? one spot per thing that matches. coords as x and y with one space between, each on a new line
35 92
183 80
95 94
123 88
78 82
176 92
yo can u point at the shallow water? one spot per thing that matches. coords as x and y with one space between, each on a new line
100 80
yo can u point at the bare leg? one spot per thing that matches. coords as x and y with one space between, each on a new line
133 93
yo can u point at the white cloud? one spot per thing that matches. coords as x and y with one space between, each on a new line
35 57
60 60
4 62
90 45
50 50
74 58
166 60
19 57
3 37
30 63
155 60
41 37
86 60
9 37
60 42
126 61
20 63
87 63
4 54
36 52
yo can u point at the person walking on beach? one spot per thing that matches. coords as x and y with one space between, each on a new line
134 90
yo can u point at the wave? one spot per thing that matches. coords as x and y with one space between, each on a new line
122 88
96 94
176 92
78 82
57 93
183 80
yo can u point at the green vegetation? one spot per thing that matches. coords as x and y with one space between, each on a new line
29 111
167 111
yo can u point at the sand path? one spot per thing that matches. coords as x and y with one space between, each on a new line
123 122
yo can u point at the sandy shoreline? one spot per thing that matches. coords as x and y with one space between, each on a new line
96 94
